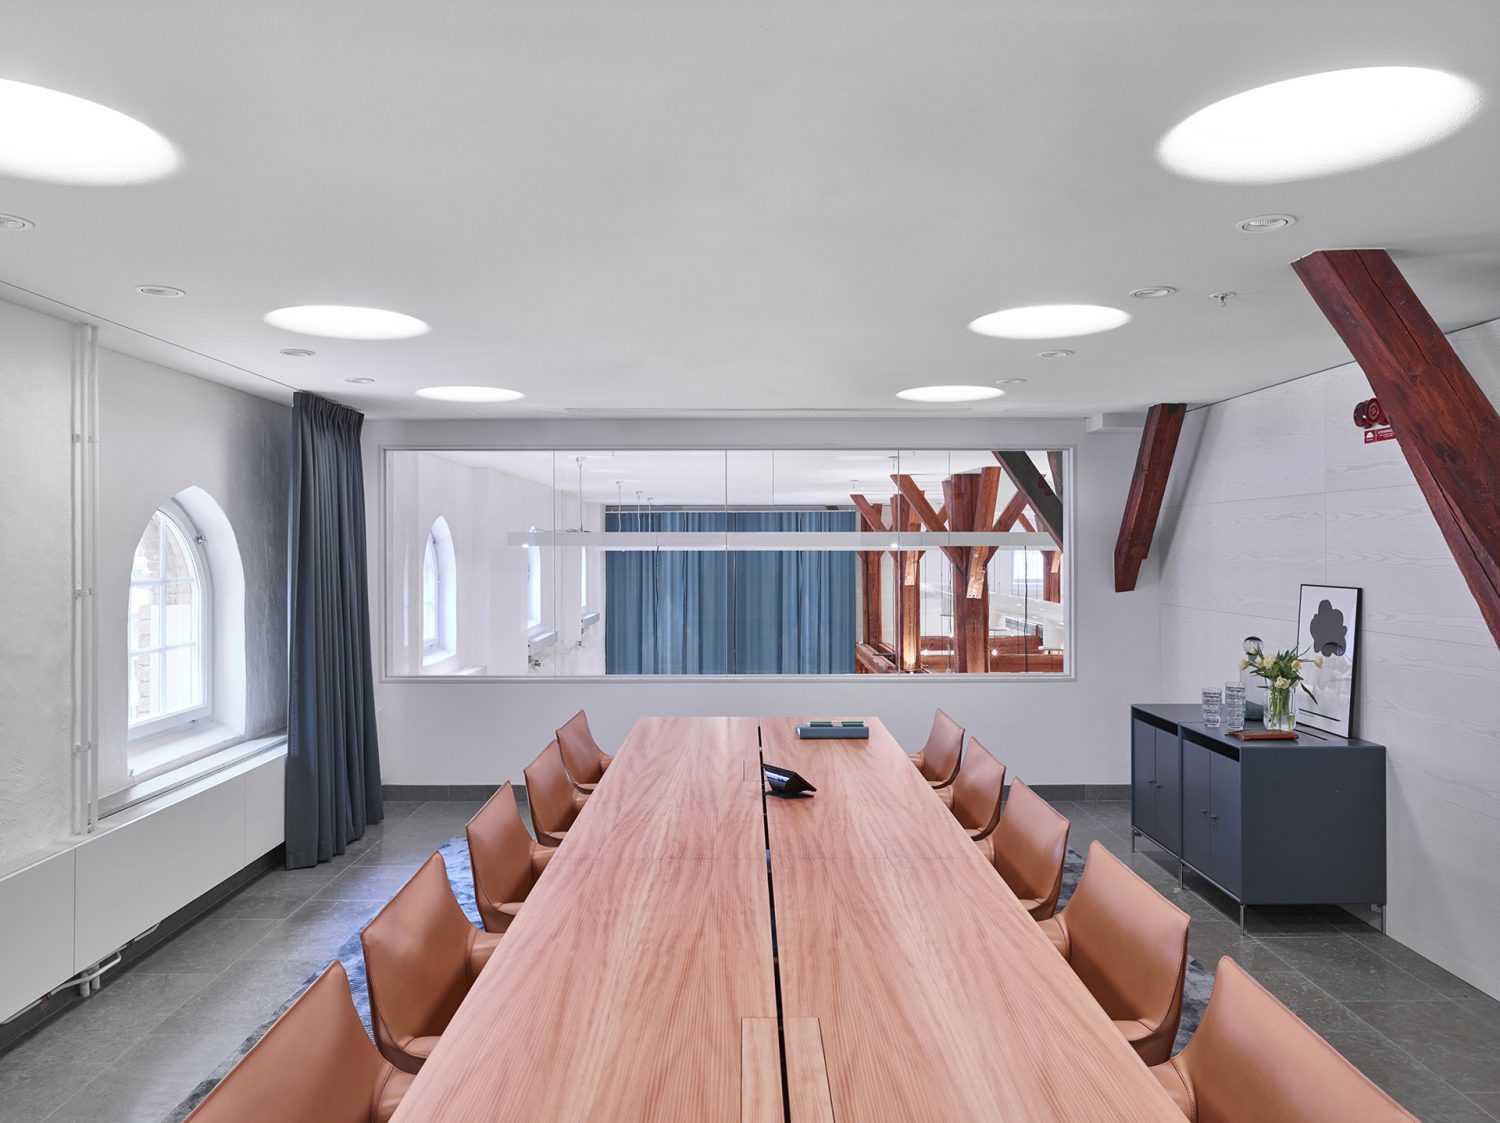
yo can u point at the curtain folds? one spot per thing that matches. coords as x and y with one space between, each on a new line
715 612
333 762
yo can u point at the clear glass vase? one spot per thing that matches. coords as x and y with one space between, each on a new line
1281 708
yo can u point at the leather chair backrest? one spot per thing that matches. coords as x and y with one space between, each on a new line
1252 1060
1031 847
978 789
944 749
580 752
417 959
1126 941
550 792
499 854
315 1065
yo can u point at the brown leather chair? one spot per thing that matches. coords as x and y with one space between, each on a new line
582 756
555 802
1252 1060
977 792
1128 944
315 1065
940 757
421 957
505 859
1029 847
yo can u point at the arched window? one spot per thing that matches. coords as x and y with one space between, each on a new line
439 595
169 626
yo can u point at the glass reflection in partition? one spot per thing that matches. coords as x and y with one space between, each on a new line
521 563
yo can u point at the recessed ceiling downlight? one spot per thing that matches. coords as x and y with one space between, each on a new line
1320 124
58 138
1265 223
344 321
168 292
469 394
950 393
15 223
1050 321
1153 292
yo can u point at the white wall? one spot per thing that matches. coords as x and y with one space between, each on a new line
162 431
1278 488
1048 730
36 544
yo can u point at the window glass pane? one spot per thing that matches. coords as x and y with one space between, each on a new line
144 621
146 564
651 562
145 674
430 594
179 613
176 563
179 680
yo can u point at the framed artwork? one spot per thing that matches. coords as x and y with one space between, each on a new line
1328 625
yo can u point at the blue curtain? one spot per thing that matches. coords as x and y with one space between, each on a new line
714 612
333 758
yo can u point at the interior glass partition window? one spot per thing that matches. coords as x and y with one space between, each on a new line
649 562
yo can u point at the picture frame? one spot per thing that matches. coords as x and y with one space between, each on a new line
1328 625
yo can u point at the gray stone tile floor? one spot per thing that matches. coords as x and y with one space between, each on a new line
137 1048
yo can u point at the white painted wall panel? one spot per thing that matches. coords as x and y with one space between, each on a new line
134 873
1277 488
36 938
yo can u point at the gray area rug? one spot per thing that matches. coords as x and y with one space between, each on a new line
1196 989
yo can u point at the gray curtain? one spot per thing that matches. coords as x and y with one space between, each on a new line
741 612
333 760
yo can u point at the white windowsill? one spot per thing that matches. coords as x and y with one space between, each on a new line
175 772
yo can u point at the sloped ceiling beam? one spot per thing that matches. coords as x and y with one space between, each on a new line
1153 465
1039 494
1446 425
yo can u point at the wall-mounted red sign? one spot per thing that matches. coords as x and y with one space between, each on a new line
1373 435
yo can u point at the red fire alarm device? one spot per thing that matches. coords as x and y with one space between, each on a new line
1370 416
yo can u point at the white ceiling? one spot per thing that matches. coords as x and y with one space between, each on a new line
738 477
716 206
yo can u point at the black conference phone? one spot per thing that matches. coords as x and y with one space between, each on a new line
785 783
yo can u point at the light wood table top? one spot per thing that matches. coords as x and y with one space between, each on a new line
638 983
620 990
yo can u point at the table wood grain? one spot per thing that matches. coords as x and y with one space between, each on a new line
619 991
937 996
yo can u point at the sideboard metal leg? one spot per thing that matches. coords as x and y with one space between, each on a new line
1133 836
1242 920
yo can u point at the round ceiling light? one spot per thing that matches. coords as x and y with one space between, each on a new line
1153 292
15 222
169 292
1265 223
58 138
1057 353
1320 124
469 394
1050 321
342 321
363 381
298 352
950 393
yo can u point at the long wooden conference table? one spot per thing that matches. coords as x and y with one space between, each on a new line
896 977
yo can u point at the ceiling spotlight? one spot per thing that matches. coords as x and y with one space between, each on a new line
1009 381
170 292
469 394
297 352
1320 124
1222 298
360 381
950 393
58 138
1049 321
1265 223
1059 353
342 321
1152 292
15 222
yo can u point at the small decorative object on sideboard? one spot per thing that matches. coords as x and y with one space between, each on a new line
1328 626
1213 708
1283 676
1234 706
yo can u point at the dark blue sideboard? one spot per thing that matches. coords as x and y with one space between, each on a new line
1268 822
